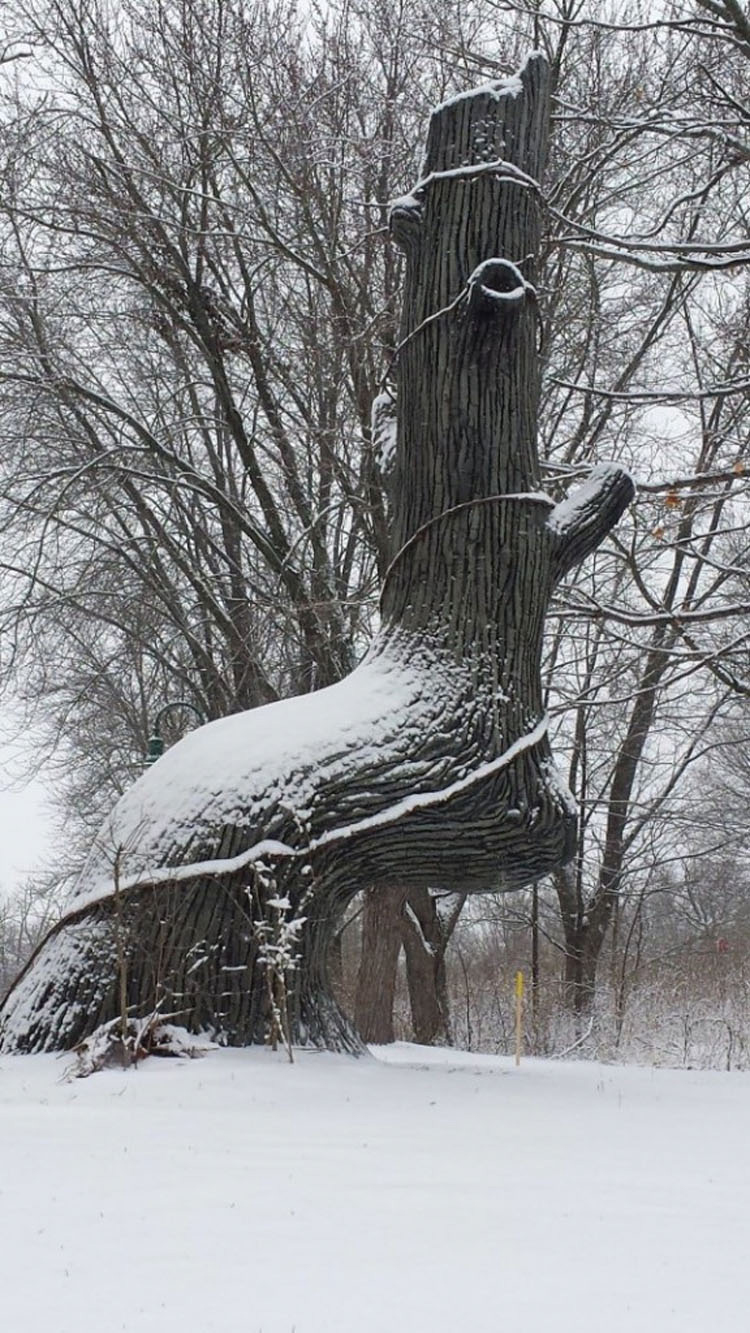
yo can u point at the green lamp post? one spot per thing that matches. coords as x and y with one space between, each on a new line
156 740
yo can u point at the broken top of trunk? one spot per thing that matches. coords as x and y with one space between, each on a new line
468 384
430 764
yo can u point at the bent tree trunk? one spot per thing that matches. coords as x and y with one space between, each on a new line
430 764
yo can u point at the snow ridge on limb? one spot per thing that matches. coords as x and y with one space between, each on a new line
270 850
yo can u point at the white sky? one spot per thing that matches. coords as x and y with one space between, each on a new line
25 832
26 822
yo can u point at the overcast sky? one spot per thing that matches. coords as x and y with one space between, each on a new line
26 822
26 834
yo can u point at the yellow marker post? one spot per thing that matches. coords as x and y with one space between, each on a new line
519 1015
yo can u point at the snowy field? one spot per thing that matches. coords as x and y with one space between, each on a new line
418 1192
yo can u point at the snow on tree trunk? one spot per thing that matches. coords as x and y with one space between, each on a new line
425 938
430 764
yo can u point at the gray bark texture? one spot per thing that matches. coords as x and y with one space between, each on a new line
428 766
376 978
425 935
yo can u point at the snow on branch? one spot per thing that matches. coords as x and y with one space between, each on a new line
665 395
270 849
504 172
727 23
704 259
737 472
581 520
635 620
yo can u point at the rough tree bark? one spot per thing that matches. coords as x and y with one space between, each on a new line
425 935
586 918
376 979
430 764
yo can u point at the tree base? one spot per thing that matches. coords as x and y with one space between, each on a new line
190 954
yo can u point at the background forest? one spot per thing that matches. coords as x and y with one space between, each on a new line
198 307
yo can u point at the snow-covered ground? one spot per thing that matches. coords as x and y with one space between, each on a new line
417 1192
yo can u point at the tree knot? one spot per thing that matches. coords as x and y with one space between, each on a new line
498 287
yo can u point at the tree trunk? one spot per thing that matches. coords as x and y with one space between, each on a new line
430 764
586 921
376 981
425 939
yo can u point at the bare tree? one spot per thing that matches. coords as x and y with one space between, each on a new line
437 764
193 509
193 506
